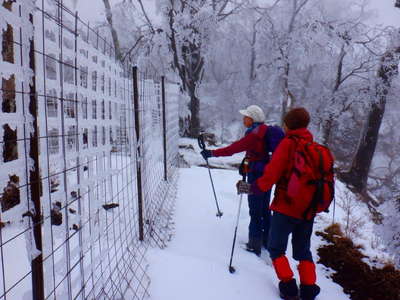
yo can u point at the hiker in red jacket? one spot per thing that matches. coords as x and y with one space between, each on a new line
288 215
259 141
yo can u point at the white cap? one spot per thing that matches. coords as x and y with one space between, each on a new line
254 112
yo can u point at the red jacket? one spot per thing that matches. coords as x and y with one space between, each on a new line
253 143
277 172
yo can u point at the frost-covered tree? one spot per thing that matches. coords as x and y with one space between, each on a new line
387 71
315 55
230 71
385 175
389 230
134 40
109 17
189 26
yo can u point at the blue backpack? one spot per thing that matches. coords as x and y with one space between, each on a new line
272 138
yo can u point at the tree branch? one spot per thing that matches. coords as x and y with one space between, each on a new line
146 16
133 47
114 34
296 11
223 16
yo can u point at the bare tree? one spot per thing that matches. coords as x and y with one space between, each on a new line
188 57
388 69
114 34
348 71
384 177
282 38
352 221
288 100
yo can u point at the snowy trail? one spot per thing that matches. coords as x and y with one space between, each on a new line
195 264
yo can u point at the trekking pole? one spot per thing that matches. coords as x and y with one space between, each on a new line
202 146
232 268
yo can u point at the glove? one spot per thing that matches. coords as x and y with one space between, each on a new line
243 187
206 154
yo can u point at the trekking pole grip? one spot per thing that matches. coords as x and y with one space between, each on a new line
200 140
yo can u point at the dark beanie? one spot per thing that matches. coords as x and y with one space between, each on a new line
297 118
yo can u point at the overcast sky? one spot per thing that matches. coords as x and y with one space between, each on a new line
387 13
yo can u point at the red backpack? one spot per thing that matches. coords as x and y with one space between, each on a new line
311 178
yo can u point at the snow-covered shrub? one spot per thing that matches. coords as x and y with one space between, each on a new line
352 221
389 230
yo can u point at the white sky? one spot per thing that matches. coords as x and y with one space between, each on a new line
93 10
386 13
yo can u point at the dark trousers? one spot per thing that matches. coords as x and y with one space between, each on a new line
260 215
281 227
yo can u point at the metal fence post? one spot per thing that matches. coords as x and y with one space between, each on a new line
136 103
35 183
164 122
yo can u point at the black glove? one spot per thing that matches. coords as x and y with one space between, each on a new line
243 187
206 154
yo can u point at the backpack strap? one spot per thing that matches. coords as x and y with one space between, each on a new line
319 182
284 180
261 130
295 139
319 191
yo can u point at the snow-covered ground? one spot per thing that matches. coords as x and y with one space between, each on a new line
195 264
352 214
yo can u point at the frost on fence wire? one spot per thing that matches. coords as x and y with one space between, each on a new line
159 132
75 195
90 235
16 239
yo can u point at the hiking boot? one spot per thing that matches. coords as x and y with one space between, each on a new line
254 245
309 292
289 290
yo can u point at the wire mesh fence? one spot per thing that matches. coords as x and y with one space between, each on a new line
89 160
159 115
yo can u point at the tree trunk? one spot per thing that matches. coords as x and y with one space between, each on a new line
114 34
358 174
189 64
288 98
253 53
194 106
327 129
328 123
286 103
